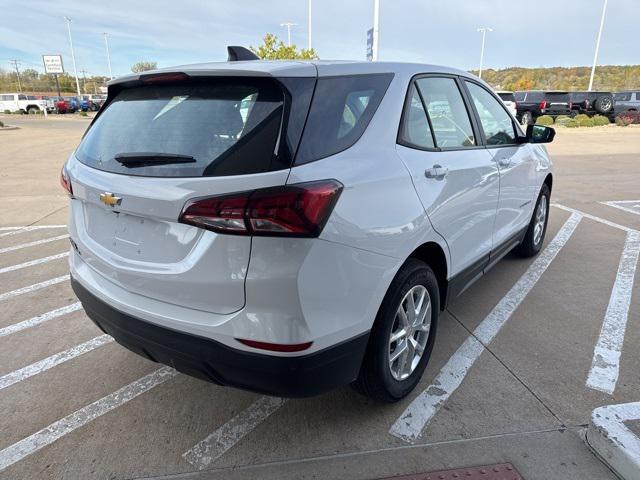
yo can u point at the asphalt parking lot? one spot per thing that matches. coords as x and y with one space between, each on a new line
520 362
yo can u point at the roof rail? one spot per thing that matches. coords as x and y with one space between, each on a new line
237 54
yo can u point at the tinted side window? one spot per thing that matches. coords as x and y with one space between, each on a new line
340 112
415 130
496 123
519 96
447 111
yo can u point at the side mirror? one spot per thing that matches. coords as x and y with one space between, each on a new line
540 134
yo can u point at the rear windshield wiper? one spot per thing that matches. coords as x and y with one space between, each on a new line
146 159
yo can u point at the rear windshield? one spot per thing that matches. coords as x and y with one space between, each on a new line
213 128
519 96
557 97
341 110
507 96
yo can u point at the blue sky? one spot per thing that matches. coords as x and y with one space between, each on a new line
526 33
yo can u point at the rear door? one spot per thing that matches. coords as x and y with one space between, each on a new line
454 175
154 148
518 176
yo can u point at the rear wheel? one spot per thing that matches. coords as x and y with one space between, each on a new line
403 335
33 110
527 118
533 239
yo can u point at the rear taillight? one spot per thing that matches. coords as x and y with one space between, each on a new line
543 104
65 181
164 77
299 210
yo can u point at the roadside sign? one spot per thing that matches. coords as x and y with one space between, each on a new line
53 64
370 44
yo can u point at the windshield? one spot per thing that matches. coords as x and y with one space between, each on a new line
229 127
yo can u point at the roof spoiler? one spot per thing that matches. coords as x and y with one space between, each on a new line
237 54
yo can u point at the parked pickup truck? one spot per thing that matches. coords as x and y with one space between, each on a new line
532 104
24 103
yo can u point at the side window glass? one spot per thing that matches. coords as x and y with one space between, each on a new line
415 128
496 123
447 111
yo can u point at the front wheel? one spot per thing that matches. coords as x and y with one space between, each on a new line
33 110
533 239
402 336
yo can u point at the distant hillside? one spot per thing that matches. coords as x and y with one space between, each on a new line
608 77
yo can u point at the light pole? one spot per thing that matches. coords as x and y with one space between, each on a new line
595 57
484 31
376 30
106 44
309 27
288 25
73 57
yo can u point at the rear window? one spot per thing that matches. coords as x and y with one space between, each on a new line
535 97
622 97
341 110
520 96
578 96
213 128
557 97
507 96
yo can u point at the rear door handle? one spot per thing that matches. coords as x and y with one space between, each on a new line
437 172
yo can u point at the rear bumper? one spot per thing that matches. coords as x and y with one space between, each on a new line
298 376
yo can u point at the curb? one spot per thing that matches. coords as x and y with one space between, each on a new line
609 437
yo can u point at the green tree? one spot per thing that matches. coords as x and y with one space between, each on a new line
274 49
143 66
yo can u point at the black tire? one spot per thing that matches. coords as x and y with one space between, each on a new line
529 247
603 104
375 379
33 110
527 118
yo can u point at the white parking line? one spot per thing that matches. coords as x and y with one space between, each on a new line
33 288
45 317
207 451
605 366
31 263
16 230
594 218
621 205
421 410
25 447
50 362
33 244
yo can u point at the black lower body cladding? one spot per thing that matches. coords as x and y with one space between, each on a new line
298 376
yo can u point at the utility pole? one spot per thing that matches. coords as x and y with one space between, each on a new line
595 57
288 25
309 27
484 31
84 80
73 57
16 63
376 30
106 44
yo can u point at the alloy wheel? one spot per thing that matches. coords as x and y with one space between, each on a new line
410 332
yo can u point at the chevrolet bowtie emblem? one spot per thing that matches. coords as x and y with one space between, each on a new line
110 199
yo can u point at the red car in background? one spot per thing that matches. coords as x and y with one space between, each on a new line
63 105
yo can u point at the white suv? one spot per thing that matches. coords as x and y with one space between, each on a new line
289 227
